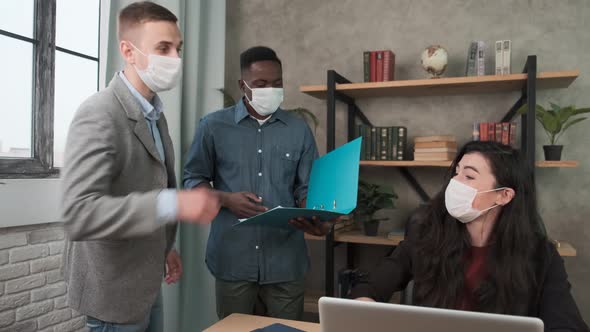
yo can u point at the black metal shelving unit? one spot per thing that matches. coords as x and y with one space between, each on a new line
528 96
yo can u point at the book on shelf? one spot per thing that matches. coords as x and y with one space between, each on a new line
481 58
499 45
378 66
393 142
498 134
374 138
435 138
382 143
367 66
483 131
435 148
506 56
502 132
421 150
505 133
491 131
402 137
388 65
470 67
373 66
475 132
503 50
512 134
434 156
435 144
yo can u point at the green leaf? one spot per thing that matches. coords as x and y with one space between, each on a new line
555 107
524 108
549 122
566 113
228 100
573 122
582 111
374 197
306 115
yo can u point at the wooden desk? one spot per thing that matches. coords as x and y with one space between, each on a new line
247 323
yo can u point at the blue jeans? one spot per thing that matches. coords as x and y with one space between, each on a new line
153 323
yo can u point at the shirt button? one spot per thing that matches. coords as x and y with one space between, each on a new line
259 150
257 247
287 155
259 130
260 174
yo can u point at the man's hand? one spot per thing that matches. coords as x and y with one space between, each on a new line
243 204
173 267
314 226
199 205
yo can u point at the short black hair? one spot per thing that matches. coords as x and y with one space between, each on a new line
257 53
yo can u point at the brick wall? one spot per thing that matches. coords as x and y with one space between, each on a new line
32 288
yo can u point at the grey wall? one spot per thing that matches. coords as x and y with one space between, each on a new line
312 36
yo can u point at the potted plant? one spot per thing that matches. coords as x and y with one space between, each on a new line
555 121
372 198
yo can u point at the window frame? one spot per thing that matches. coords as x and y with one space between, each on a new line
41 164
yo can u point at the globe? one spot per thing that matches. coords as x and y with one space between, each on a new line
434 60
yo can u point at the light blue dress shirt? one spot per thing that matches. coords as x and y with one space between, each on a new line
166 204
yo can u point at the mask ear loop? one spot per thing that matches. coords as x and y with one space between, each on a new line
485 218
246 95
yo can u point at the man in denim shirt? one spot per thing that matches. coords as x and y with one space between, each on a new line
259 157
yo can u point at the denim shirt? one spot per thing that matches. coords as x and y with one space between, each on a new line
273 161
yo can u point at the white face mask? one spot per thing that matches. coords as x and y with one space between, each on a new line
265 101
459 201
161 73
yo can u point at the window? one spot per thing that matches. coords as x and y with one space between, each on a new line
50 52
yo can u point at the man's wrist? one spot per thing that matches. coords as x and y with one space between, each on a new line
224 198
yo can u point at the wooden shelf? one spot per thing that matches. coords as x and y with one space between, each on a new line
405 163
446 86
565 249
417 163
351 235
357 236
560 163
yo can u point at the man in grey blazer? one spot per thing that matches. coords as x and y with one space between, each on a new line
120 204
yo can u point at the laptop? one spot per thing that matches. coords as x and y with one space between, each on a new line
341 315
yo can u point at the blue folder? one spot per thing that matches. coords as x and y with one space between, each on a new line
332 189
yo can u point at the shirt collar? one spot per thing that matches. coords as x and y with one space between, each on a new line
241 112
149 111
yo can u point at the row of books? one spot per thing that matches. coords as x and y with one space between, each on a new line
378 66
503 56
476 62
435 148
476 58
501 132
382 143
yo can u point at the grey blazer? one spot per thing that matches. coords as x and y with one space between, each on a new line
115 254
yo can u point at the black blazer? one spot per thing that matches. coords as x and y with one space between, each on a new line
552 302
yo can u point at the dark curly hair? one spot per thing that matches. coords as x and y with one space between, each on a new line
517 235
